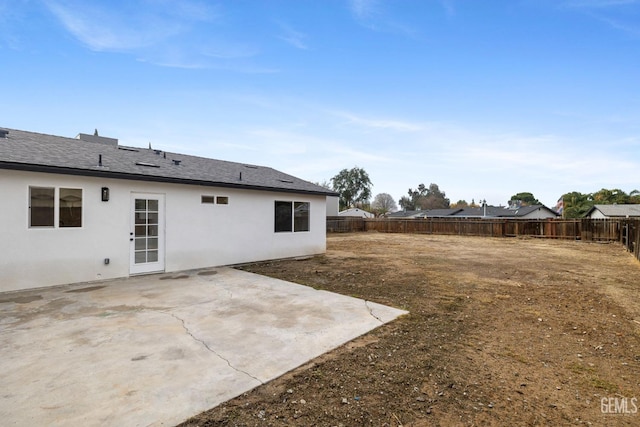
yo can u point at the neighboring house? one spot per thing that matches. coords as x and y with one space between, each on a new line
88 209
356 212
520 212
427 213
523 212
613 211
333 203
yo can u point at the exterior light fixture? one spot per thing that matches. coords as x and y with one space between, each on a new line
105 194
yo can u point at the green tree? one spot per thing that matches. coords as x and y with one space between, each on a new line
609 197
576 204
383 203
634 197
527 199
425 197
354 187
460 204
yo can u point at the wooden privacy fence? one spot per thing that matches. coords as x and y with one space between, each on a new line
623 230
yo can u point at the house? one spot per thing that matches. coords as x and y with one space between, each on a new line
88 209
427 213
356 213
613 211
522 212
517 211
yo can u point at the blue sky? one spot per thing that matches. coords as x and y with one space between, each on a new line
484 98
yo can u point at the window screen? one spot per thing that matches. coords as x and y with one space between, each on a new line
284 217
41 206
301 216
70 207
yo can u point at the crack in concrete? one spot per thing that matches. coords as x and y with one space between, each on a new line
210 349
366 303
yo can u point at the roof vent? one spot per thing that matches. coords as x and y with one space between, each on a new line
176 162
3 133
99 139
149 165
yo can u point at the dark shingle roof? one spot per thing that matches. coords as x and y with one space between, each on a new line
491 212
23 150
501 212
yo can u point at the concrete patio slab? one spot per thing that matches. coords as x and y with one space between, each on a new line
155 350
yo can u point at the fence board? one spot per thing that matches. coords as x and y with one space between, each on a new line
623 230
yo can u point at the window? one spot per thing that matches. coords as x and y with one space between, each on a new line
301 216
41 206
219 200
283 217
70 207
291 216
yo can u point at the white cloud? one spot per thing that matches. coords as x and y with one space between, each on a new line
364 9
110 29
604 11
397 125
158 32
600 3
448 7
371 15
293 37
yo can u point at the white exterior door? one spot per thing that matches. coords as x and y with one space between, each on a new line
147 233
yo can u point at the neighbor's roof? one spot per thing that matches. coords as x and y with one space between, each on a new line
21 150
503 212
491 212
616 210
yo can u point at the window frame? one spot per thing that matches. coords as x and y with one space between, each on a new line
287 218
56 207
60 207
51 208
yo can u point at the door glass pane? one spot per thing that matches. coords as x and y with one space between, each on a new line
152 230
140 230
141 204
152 256
152 218
152 243
141 257
141 218
141 244
153 205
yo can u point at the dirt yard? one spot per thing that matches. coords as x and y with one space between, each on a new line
501 332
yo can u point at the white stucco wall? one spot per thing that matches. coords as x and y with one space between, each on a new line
197 235
540 214
597 214
333 203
